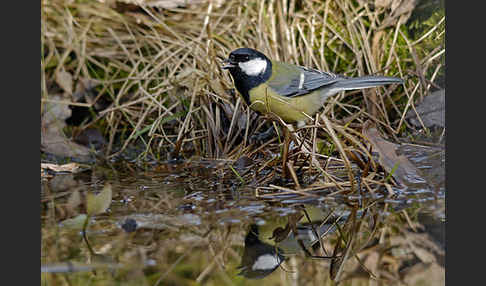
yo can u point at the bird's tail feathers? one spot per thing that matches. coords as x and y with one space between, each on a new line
357 83
364 82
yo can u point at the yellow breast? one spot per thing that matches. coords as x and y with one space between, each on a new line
290 109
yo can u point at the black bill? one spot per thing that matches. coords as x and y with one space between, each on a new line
227 64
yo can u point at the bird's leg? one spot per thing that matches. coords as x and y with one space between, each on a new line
265 135
285 155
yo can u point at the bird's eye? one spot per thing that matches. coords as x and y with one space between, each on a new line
241 58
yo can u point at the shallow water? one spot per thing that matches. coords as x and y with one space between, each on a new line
177 224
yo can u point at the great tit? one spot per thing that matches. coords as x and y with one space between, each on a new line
292 92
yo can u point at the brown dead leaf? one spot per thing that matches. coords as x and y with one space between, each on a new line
424 247
401 11
217 87
424 274
383 3
376 42
65 81
399 166
372 262
53 139
431 111
62 146
54 113
70 167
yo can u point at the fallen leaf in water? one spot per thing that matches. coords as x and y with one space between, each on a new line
75 223
399 166
98 204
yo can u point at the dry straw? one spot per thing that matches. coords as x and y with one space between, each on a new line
160 71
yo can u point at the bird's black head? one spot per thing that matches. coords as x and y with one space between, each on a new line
249 68
248 61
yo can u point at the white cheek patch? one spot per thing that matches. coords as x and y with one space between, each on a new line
253 67
265 262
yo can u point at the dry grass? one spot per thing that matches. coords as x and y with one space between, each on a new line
154 79
159 72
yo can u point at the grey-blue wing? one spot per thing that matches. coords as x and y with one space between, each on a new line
295 80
